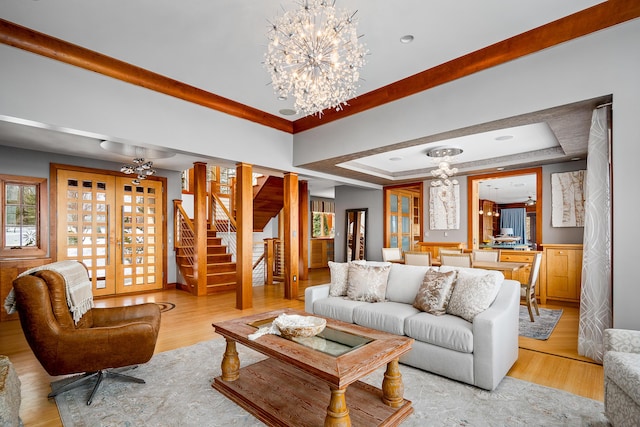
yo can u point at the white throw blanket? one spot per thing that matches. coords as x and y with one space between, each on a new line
78 287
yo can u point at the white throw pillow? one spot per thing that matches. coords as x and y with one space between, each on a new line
472 294
339 275
367 282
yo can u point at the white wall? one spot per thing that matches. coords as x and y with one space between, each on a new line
606 62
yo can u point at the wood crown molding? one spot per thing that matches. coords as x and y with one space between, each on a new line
598 17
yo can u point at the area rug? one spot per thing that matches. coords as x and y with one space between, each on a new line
178 392
543 326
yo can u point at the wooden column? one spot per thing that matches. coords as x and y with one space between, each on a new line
244 225
303 228
200 225
290 215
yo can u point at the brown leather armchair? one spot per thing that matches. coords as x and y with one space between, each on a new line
103 338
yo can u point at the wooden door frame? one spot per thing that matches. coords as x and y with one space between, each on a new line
415 187
53 201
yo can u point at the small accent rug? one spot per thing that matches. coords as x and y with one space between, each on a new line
166 306
542 327
178 392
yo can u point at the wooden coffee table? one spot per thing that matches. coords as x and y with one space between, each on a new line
304 381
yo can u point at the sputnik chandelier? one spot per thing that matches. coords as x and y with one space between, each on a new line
444 170
139 167
314 54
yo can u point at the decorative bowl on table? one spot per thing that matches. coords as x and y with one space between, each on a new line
294 325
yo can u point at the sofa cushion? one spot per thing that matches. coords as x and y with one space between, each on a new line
472 294
339 275
339 308
367 282
435 291
384 316
404 282
446 331
624 370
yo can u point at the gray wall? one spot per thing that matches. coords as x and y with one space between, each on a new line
15 161
357 198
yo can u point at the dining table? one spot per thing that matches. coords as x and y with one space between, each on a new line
509 269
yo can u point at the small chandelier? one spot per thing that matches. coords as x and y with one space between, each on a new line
314 54
139 167
529 202
444 170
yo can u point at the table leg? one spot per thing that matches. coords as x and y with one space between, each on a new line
392 386
230 362
337 412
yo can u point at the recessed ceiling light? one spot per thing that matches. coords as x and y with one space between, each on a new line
406 39
500 168
282 98
287 112
575 158
395 159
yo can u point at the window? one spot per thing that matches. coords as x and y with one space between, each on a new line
323 224
23 215
322 219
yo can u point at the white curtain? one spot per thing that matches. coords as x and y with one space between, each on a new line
595 298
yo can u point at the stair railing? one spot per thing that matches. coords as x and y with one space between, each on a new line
184 232
273 261
223 223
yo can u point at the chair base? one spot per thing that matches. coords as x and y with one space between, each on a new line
101 375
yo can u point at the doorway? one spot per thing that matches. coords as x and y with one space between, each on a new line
403 216
115 228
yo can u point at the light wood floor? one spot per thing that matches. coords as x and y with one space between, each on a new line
553 363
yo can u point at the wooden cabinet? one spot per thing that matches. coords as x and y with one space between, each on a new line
9 270
321 253
432 247
526 257
562 272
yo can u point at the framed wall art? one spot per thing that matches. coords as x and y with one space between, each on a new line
444 207
567 199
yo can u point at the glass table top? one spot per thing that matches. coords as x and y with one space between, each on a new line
330 341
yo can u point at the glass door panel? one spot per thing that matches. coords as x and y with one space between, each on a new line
85 225
140 236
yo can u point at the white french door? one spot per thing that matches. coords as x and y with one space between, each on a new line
114 227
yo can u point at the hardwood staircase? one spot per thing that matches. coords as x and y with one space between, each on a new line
268 200
221 271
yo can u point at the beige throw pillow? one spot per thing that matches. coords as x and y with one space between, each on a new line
435 292
367 282
339 274
472 295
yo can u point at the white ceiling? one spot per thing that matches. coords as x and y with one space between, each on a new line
219 45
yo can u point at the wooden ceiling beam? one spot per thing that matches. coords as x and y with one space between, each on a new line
579 24
42 44
598 17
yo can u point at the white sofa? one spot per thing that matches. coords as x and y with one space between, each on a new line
479 353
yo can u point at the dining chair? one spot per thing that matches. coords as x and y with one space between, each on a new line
486 255
457 259
528 290
417 258
391 254
442 250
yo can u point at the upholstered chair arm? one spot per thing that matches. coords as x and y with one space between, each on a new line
624 340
